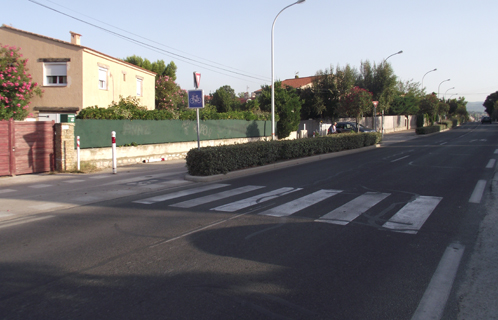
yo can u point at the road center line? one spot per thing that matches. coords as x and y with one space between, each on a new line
400 159
435 297
478 192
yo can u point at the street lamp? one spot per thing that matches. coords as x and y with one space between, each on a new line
424 77
440 87
447 91
273 71
452 96
400 52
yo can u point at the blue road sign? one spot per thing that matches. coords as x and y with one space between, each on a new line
196 99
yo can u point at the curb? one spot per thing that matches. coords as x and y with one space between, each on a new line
275 166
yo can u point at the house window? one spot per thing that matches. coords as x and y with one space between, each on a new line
55 74
139 87
102 78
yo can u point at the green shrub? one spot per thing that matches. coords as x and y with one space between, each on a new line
427 130
223 159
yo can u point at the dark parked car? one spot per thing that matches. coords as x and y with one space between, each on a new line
350 127
486 119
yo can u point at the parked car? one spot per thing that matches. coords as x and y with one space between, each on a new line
350 127
486 119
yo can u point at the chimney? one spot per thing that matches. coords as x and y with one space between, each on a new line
75 38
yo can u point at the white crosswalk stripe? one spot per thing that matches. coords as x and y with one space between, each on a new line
300 204
215 197
238 205
413 215
353 209
182 193
409 219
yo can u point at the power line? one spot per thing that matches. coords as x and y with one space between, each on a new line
154 48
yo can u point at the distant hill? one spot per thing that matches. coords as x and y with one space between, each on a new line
475 106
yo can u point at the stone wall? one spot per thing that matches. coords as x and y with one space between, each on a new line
65 151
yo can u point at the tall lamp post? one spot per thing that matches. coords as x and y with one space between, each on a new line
399 52
447 91
273 71
440 87
424 77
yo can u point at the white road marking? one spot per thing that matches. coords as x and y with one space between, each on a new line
23 220
73 181
435 297
296 205
400 158
491 164
353 209
238 205
179 194
413 215
141 178
478 192
215 197
4 214
7 190
38 186
496 151
47 206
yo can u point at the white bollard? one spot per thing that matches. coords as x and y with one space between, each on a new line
78 152
114 160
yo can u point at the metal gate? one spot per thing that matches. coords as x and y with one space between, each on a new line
26 147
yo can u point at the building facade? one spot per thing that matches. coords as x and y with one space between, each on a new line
74 77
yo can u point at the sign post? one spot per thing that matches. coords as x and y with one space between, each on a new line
375 103
196 101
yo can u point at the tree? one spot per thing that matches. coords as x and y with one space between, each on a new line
489 103
16 85
380 80
225 99
322 99
442 109
355 103
428 106
158 67
287 108
170 71
405 104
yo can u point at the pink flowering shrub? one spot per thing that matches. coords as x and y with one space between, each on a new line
16 85
169 95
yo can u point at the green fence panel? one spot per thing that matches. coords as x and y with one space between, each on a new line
97 133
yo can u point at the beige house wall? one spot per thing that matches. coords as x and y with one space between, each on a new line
34 47
121 81
82 89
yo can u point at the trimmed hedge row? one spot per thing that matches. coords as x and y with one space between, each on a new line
427 130
223 159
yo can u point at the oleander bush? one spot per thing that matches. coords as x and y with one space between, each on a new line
208 161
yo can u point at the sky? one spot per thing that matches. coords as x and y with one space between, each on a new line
229 41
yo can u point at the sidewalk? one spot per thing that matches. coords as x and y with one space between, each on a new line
45 192
41 193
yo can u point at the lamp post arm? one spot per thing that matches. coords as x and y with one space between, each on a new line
273 69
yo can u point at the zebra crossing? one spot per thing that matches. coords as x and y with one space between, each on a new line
409 219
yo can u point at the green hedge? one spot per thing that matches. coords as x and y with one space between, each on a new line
223 159
427 130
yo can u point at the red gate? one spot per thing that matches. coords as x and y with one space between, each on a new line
26 147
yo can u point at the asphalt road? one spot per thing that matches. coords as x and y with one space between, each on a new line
383 234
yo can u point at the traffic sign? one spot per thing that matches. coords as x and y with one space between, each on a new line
196 99
197 79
